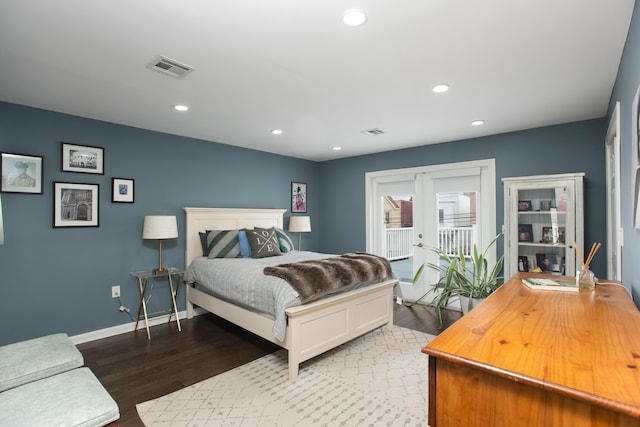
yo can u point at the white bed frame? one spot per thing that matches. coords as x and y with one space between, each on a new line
311 328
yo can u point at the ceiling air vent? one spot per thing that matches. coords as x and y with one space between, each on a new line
373 131
170 67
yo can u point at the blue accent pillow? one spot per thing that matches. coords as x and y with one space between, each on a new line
245 249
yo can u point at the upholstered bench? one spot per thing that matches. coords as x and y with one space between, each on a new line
43 383
32 360
72 398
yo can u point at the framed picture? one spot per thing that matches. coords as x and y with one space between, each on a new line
547 235
525 233
21 173
121 190
75 205
547 262
523 263
562 234
82 158
545 205
298 197
524 205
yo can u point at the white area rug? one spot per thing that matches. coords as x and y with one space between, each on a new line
379 379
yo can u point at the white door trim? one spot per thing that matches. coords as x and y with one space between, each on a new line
614 229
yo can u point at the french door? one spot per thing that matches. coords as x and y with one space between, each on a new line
411 212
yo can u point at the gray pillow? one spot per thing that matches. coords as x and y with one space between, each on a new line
264 243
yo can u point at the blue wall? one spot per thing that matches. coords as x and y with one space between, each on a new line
59 280
575 147
624 91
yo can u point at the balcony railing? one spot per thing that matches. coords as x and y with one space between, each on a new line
399 243
450 240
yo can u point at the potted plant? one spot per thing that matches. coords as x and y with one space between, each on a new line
470 279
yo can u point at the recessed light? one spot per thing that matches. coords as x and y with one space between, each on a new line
354 17
336 148
441 88
477 123
181 107
276 131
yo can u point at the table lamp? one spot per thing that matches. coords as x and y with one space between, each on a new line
160 227
300 224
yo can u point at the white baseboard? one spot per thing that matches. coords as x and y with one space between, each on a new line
128 327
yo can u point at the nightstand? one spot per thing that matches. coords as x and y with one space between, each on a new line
147 277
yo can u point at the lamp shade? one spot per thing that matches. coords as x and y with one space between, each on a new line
300 224
160 227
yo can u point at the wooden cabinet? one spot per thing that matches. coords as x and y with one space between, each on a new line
539 358
543 217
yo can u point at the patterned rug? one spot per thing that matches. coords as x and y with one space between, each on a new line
377 379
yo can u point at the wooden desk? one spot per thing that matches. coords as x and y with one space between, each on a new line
539 358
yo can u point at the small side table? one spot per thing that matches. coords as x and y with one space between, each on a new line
143 280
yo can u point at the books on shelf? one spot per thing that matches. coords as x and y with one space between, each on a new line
550 285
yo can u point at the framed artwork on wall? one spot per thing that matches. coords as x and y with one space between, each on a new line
298 197
82 158
75 205
121 190
21 173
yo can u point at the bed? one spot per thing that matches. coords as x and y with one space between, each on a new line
312 328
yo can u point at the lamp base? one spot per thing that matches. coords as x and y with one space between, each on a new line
160 270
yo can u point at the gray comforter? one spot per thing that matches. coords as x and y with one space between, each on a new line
242 280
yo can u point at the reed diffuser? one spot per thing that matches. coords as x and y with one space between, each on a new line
586 279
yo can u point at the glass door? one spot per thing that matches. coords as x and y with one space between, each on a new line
398 234
545 231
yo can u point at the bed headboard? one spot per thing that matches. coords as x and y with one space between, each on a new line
201 219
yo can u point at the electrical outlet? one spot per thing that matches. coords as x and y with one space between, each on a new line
115 291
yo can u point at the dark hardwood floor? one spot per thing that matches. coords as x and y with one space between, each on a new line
134 369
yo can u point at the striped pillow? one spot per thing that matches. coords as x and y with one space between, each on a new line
223 244
286 245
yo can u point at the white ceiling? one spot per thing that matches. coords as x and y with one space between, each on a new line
293 65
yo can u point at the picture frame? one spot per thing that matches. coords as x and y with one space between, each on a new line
525 233
82 158
523 263
122 190
524 205
547 235
545 205
547 262
21 173
75 205
298 197
562 235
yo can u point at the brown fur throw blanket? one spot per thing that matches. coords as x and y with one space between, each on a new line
315 278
